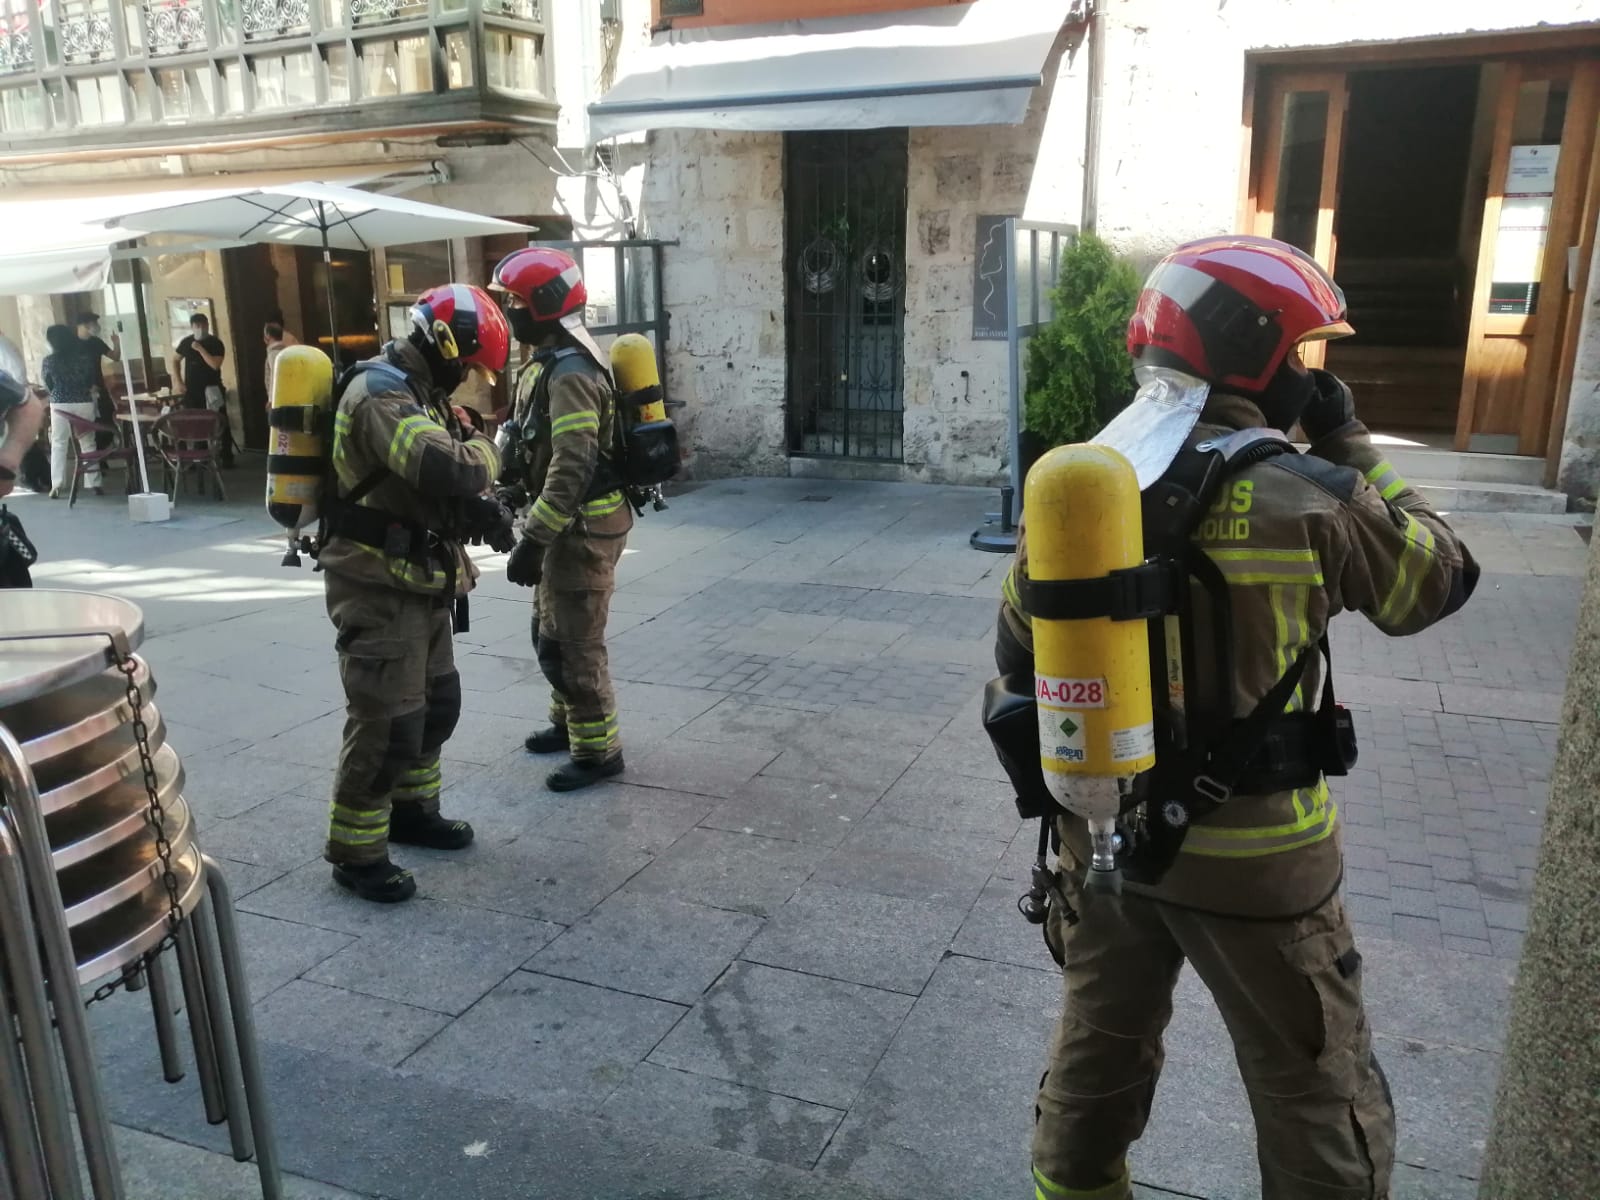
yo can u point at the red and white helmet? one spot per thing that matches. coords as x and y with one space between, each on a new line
548 281
1230 309
465 325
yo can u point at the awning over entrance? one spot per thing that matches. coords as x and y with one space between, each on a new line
960 64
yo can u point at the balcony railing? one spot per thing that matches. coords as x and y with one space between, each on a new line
76 71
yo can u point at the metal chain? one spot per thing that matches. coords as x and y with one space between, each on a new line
129 666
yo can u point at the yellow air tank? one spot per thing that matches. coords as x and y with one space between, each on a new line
1092 674
301 422
649 439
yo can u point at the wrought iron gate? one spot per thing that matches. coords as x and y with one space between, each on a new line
845 200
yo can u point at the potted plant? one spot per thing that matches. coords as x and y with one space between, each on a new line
1078 370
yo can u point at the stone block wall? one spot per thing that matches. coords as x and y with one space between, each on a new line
720 195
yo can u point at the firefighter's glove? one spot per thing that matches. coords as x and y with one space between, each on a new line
1331 409
525 567
514 496
484 519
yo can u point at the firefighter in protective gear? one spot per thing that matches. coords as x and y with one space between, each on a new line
412 476
1251 901
578 520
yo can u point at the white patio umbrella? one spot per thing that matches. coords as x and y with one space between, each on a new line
313 214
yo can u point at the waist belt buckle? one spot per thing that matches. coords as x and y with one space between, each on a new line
1211 789
397 541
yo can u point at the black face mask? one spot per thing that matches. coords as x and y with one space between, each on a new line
523 327
1286 395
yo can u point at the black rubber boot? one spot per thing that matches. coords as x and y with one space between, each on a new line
552 739
381 882
432 831
572 775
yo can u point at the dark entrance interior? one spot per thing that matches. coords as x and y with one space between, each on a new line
261 282
1410 207
845 238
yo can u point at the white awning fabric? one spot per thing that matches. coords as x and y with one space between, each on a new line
62 240
960 64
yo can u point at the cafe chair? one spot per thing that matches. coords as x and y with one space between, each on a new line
190 440
82 460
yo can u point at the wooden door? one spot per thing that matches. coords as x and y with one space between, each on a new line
1297 180
1544 137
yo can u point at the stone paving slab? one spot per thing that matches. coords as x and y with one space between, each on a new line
794 1034
782 956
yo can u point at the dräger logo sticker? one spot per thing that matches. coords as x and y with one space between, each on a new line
1061 735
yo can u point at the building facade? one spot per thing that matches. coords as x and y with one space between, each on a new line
471 104
828 285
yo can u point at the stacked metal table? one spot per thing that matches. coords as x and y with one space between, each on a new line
102 882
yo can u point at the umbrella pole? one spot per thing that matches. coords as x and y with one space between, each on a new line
327 263
146 506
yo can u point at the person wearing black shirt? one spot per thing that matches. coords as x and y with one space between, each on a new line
198 369
95 350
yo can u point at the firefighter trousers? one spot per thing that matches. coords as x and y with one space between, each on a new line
569 635
1290 994
402 701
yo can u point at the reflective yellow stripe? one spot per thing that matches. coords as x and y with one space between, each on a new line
604 506
402 570
1267 566
345 815
1291 626
1320 819
574 422
1045 1188
547 516
1387 480
1008 589
356 837
1413 567
406 434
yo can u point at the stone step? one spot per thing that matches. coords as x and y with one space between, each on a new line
1471 467
1456 495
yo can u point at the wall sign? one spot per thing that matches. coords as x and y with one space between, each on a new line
991 281
682 8
1524 225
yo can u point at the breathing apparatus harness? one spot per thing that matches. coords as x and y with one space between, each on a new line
1204 754
638 456
395 535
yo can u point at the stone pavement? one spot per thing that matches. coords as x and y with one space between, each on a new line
781 958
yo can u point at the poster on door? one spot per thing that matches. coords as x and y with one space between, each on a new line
1524 226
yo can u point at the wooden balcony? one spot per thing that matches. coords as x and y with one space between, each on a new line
95 75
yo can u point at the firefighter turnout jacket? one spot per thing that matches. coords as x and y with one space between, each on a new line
401 533
573 407
1299 538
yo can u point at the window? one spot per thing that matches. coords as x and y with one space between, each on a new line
284 81
232 88
142 89
22 109
515 62
187 93
458 60
99 100
414 269
396 68
339 73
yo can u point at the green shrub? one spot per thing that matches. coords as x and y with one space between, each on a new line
1079 374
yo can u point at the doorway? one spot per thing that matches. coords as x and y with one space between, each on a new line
1442 196
1407 231
845 234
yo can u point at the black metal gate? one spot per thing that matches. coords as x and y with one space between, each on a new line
845 199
